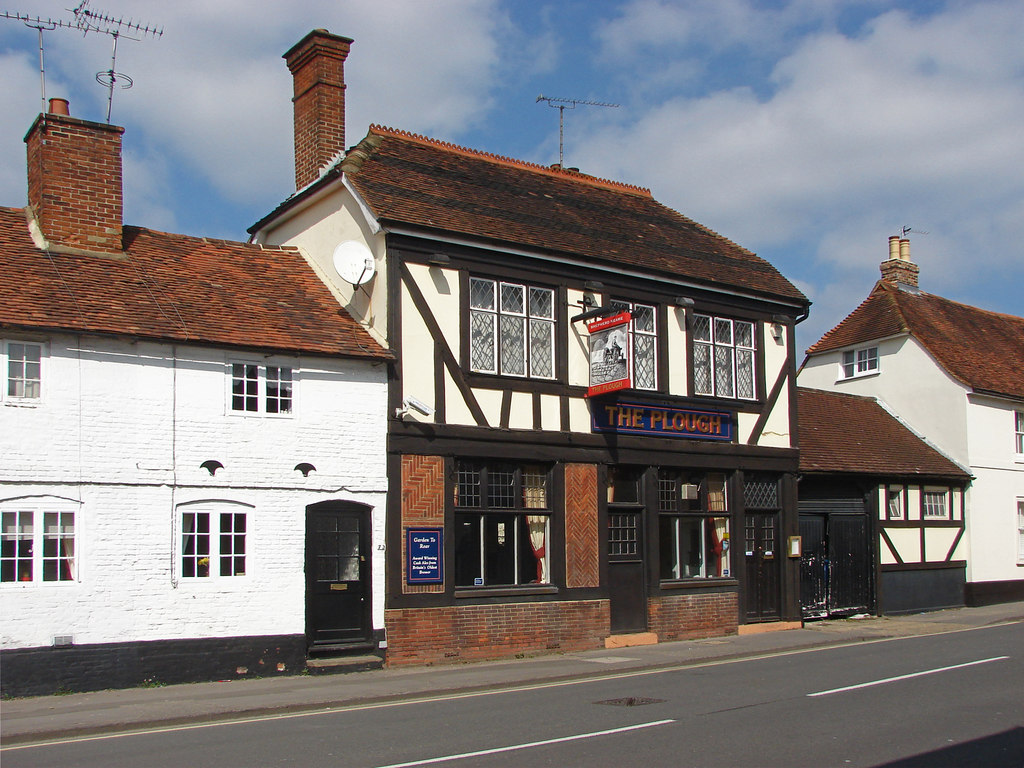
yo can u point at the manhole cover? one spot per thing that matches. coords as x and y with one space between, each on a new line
630 701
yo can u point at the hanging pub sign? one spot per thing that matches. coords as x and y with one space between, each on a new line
424 553
609 354
636 418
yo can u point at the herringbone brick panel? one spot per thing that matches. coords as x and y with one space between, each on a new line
582 544
422 504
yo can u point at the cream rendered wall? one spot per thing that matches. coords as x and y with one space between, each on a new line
316 230
677 357
440 289
999 482
911 383
118 438
776 433
579 344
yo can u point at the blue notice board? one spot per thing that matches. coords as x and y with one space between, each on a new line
424 555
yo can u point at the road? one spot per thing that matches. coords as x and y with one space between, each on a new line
943 700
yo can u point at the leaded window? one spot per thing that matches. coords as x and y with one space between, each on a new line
723 357
502 524
643 342
511 329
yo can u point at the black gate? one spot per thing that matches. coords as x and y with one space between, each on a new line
837 563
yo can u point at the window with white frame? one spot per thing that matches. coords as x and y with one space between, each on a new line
37 545
723 357
1020 531
502 525
935 504
860 362
23 375
894 502
511 329
643 342
213 540
1019 431
261 389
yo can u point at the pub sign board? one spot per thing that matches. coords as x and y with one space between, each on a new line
637 418
424 552
609 354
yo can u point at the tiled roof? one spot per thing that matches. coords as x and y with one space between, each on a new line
418 182
842 433
981 349
176 288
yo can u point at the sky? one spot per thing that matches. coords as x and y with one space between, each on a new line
807 131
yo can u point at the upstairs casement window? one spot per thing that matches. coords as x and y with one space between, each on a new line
860 362
37 545
723 357
23 371
935 504
1019 433
213 541
502 525
643 341
261 389
894 496
511 329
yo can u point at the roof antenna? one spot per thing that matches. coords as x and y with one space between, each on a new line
561 106
907 230
87 21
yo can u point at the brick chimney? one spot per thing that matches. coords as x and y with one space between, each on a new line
74 180
898 269
317 64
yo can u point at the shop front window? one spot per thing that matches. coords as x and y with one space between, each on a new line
693 526
502 525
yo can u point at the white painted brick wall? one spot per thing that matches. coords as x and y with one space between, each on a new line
122 428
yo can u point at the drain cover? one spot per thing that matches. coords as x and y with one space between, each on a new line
630 701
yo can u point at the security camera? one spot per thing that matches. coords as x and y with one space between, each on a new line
418 406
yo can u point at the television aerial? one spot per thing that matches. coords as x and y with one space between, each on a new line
561 105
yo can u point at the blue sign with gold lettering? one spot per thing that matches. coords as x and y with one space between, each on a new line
424 555
636 418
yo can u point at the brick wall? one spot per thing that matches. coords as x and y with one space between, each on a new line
693 615
74 182
582 556
422 505
471 632
317 64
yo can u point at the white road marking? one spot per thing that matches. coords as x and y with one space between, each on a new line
527 745
907 677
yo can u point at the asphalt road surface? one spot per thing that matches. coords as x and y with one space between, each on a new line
943 700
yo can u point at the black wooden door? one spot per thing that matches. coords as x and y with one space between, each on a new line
762 566
337 575
849 583
813 567
626 587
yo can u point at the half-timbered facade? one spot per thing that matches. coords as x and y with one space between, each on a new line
591 433
882 513
952 372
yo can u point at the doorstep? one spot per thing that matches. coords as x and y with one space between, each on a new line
768 626
337 665
629 640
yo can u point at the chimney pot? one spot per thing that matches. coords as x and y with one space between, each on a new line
894 247
59 107
905 249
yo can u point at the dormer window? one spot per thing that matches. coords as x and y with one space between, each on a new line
860 362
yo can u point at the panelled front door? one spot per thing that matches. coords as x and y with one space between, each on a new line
627 591
337 575
762 561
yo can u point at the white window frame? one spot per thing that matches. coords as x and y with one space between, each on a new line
897 511
928 509
267 391
5 360
1018 426
716 342
189 563
862 361
38 518
1020 531
634 332
531 324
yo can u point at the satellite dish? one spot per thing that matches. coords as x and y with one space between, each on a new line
353 262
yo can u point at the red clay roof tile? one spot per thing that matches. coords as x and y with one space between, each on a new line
176 288
842 433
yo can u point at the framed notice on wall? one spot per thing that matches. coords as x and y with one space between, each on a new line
609 354
424 555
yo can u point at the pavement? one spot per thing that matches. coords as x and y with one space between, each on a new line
47 718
